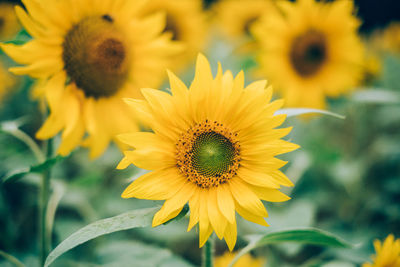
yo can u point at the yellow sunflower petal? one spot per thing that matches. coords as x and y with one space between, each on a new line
155 185
217 220
246 198
267 194
171 205
194 206
226 203
250 216
230 235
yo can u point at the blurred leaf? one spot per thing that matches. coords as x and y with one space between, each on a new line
337 264
136 254
308 236
390 75
12 128
17 174
290 112
128 220
376 96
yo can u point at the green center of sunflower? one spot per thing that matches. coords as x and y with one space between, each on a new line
208 154
308 53
212 154
95 56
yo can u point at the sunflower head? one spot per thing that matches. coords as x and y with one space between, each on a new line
310 50
214 146
95 56
6 82
387 253
245 261
236 19
87 56
185 21
388 39
9 25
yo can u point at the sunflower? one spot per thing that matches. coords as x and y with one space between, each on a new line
213 146
9 25
388 40
6 82
387 254
88 55
311 50
236 18
185 21
244 261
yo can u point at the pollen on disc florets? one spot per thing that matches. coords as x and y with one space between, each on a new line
95 56
308 53
208 154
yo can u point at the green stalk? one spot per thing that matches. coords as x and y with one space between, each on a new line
208 253
44 199
11 259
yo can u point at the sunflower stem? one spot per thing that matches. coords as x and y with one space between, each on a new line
208 253
44 199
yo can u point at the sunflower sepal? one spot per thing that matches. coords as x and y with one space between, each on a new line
181 214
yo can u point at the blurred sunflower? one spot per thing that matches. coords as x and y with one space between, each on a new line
213 146
185 21
6 82
236 18
387 254
245 261
88 55
372 67
389 38
9 25
311 50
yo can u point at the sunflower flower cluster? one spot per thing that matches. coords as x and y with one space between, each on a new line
88 55
213 145
208 148
186 22
310 50
9 25
6 82
245 261
387 253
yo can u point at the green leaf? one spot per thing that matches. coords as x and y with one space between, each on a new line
21 38
17 174
309 236
47 164
128 220
135 253
376 96
290 112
